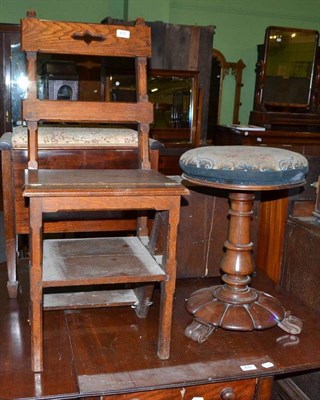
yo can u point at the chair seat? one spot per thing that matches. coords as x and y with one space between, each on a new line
244 165
59 136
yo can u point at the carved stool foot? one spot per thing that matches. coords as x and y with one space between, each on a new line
291 324
198 331
262 311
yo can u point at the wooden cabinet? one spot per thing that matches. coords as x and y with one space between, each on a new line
301 278
240 390
301 265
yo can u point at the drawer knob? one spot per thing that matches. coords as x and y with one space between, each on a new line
228 394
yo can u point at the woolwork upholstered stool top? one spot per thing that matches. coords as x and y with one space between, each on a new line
242 170
245 165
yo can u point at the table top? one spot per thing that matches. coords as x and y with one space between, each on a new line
113 351
250 131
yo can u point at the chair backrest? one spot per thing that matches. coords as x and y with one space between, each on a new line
75 38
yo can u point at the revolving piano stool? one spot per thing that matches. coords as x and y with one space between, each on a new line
241 170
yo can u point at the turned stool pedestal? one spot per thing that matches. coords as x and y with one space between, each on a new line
242 170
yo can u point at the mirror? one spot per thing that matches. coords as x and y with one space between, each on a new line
288 67
18 82
174 95
220 68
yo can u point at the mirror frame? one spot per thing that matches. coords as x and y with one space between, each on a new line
263 105
235 69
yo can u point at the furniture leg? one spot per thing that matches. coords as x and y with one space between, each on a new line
143 293
36 286
264 389
165 322
144 296
168 286
12 284
9 223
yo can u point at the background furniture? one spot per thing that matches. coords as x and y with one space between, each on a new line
60 80
182 48
300 277
185 48
220 68
288 77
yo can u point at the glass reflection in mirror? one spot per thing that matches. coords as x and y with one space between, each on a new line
174 95
289 66
19 82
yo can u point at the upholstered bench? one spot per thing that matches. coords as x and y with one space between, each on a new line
63 147
242 170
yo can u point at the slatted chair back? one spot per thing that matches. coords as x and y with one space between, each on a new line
75 38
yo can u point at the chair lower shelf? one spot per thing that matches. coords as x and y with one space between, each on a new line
94 261
80 269
90 299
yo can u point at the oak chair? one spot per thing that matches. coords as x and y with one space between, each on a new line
124 268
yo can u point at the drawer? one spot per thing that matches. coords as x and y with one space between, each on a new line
239 390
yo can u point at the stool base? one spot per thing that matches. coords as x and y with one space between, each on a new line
210 312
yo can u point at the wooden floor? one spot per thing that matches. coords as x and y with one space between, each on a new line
103 351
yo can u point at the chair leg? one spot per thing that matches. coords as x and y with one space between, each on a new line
36 333
165 322
144 295
168 286
36 291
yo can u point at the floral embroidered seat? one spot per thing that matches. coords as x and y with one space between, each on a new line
77 137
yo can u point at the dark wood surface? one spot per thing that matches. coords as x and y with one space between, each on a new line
301 262
286 120
107 351
303 142
300 277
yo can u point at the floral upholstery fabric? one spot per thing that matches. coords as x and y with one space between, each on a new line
57 137
244 165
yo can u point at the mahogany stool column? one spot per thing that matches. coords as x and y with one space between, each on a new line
242 170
